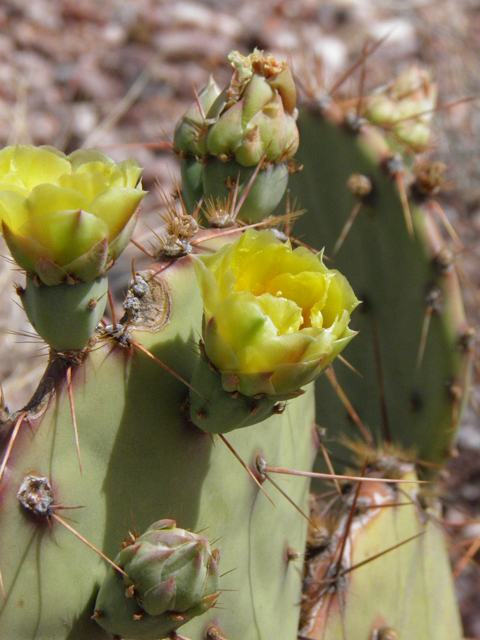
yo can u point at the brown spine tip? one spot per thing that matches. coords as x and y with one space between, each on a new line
92 303
279 408
214 633
293 554
253 409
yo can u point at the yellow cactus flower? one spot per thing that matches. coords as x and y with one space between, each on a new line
274 317
66 217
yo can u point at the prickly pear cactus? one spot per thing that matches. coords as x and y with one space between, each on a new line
141 459
161 430
377 220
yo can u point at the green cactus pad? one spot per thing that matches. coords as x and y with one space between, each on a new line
142 460
393 274
407 590
65 315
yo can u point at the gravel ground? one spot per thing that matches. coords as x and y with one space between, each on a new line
117 76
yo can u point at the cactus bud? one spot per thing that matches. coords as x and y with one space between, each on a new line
189 133
254 118
274 317
172 577
189 141
406 106
256 113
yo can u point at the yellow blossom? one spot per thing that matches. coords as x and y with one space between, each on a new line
66 217
274 317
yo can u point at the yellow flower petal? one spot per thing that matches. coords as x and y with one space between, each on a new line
240 321
285 314
46 198
88 184
5 160
306 289
340 298
67 234
88 156
115 207
13 208
35 165
11 182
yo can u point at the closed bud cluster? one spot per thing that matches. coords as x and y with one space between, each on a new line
406 106
256 114
224 136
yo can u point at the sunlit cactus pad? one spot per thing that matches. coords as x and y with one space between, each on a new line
378 562
143 460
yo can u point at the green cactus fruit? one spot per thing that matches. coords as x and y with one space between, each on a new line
190 144
264 194
66 219
415 380
171 577
142 459
383 573
65 315
251 121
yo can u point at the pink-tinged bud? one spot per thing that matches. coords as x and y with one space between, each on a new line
172 577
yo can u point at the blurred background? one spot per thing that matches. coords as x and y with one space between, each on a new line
117 75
